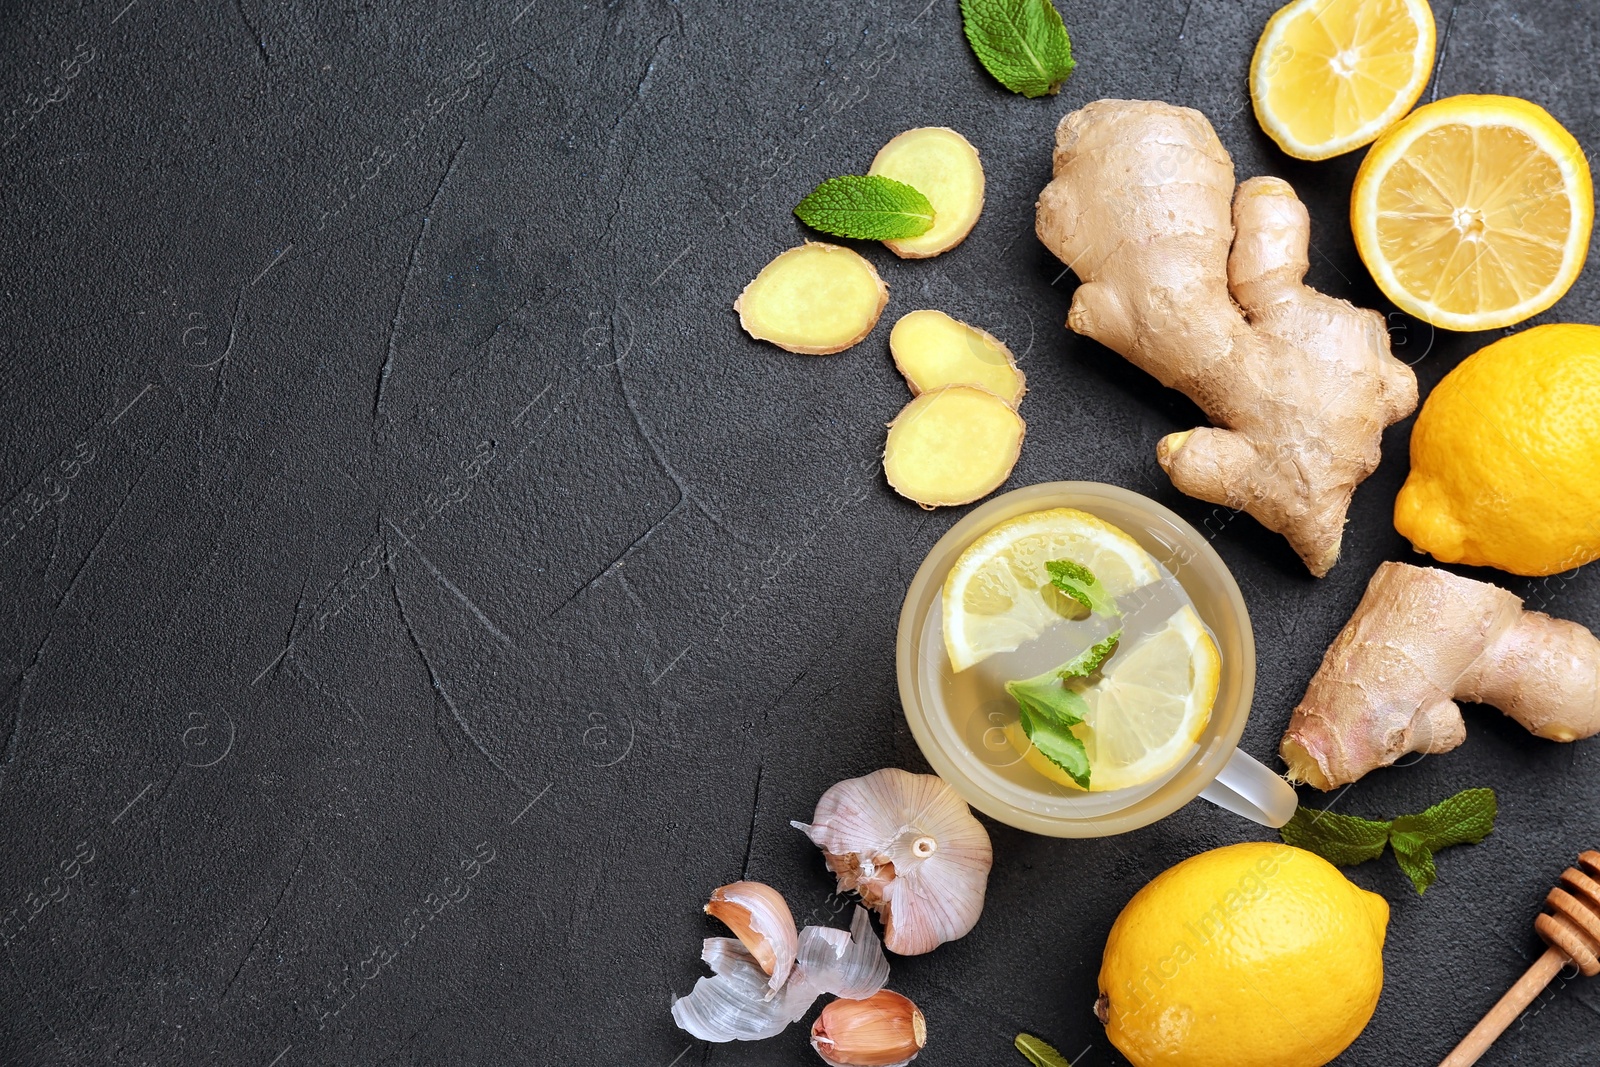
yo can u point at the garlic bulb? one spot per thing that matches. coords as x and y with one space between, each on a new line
758 916
884 1030
740 1003
910 846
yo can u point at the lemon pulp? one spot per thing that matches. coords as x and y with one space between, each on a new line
1474 213
1329 76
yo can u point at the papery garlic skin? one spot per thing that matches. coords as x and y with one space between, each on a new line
913 850
884 1030
737 1004
760 918
850 965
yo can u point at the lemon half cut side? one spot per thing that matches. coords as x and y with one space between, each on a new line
1474 213
1329 76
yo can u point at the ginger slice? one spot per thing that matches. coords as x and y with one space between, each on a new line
816 300
1420 640
952 445
1201 285
932 350
944 167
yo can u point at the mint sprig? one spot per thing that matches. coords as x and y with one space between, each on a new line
1464 819
1023 43
1078 582
1049 707
1344 840
1039 1053
868 207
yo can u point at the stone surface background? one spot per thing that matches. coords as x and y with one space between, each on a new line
418 594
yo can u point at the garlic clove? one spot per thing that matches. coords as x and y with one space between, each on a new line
884 1030
759 917
850 965
737 1003
913 850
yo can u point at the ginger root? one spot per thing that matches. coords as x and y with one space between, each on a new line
1420 639
952 446
1299 384
943 166
816 300
931 350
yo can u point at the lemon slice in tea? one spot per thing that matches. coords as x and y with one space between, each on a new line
1146 711
998 595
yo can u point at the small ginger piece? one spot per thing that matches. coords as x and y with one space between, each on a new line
952 445
1421 639
933 350
943 166
1298 385
816 300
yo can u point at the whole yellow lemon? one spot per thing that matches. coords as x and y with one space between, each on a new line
1505 456
1254 955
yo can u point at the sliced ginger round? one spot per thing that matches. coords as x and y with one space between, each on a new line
952 446
816 300
932 350
944 167
1474 212
1329 76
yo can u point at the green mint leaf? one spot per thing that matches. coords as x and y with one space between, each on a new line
1061 747
1023 43
1415 858
1464 819
1039 1053
866 207
1342 840
1079 583
1090 661
1049 711
1048 700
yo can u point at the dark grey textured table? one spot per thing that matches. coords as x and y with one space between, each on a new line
398 525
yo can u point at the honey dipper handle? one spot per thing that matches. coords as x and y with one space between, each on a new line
1503 1014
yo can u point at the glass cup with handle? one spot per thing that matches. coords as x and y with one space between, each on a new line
966 740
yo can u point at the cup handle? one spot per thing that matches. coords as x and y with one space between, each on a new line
1247 788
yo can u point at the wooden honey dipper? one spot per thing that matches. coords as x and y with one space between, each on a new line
1573 934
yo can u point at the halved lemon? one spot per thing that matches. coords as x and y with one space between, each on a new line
1148 709
1329 76
1474 212
998 595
